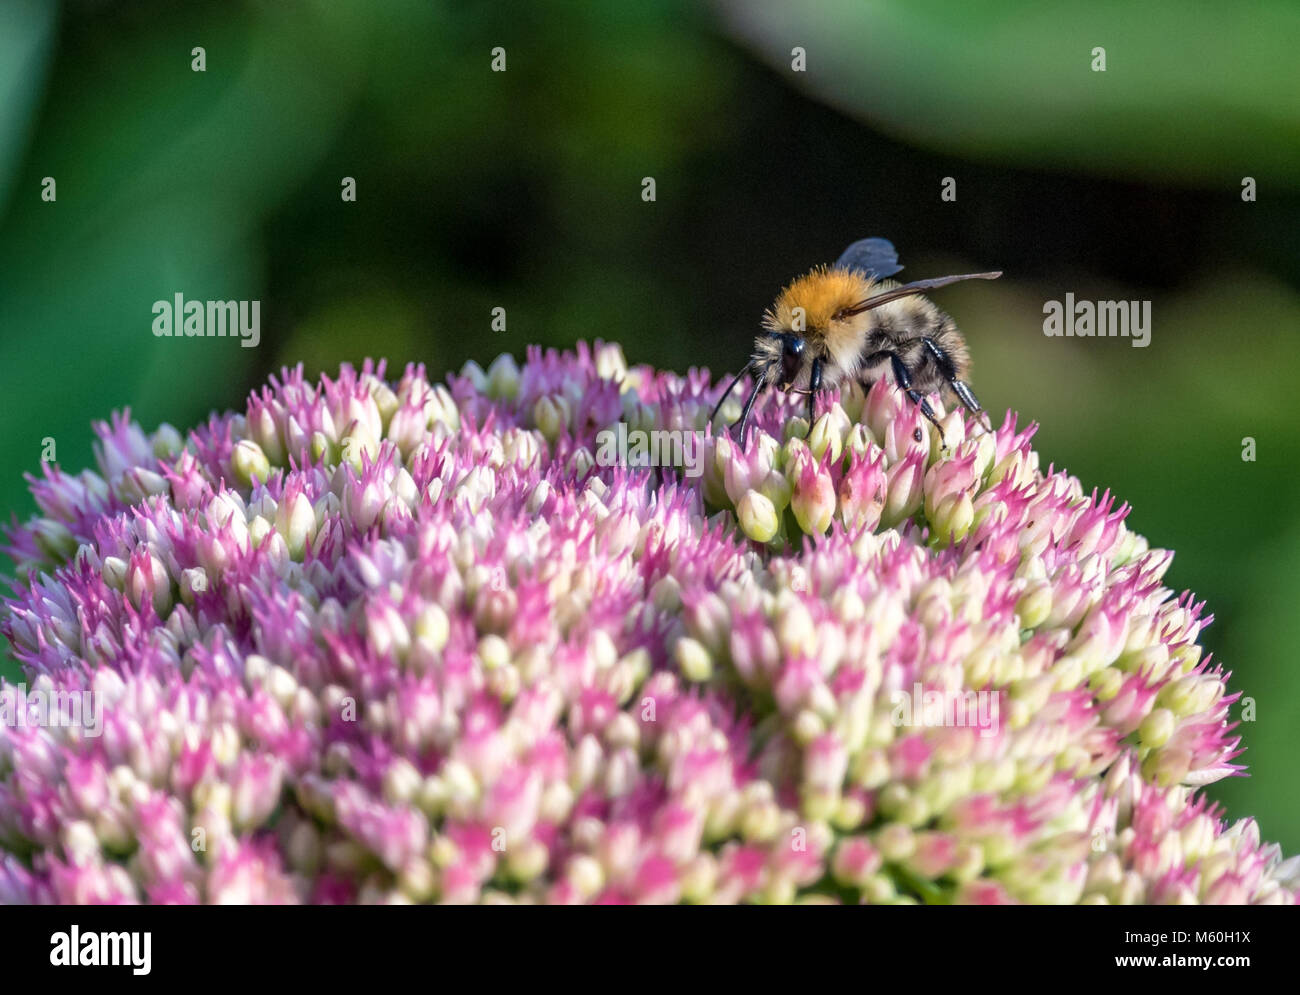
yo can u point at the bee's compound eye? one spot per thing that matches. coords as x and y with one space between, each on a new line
791 359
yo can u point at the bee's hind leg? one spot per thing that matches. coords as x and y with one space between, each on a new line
967 397
959 387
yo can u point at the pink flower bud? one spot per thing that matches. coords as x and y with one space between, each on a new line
862 492
904 489
813 498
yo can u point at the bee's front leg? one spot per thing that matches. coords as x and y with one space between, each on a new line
814 385
760 385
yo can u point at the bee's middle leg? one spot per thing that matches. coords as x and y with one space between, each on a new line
903 377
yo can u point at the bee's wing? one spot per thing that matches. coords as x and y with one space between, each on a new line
909 289
876 257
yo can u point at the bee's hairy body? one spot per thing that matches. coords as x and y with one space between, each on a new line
855 347
849 322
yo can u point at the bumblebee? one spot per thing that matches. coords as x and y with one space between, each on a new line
849 321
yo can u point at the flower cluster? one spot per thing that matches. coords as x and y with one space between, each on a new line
376 641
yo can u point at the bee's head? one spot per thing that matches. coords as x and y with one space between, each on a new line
779 358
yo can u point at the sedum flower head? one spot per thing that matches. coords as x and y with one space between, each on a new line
373 640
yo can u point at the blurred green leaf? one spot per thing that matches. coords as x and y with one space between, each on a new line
1268 633
26 42
165 177
1013 79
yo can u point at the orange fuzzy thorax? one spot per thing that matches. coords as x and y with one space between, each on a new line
821 293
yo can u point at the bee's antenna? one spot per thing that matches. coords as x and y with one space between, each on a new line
730 387
908 289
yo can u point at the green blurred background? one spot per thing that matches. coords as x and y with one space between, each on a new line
522 190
